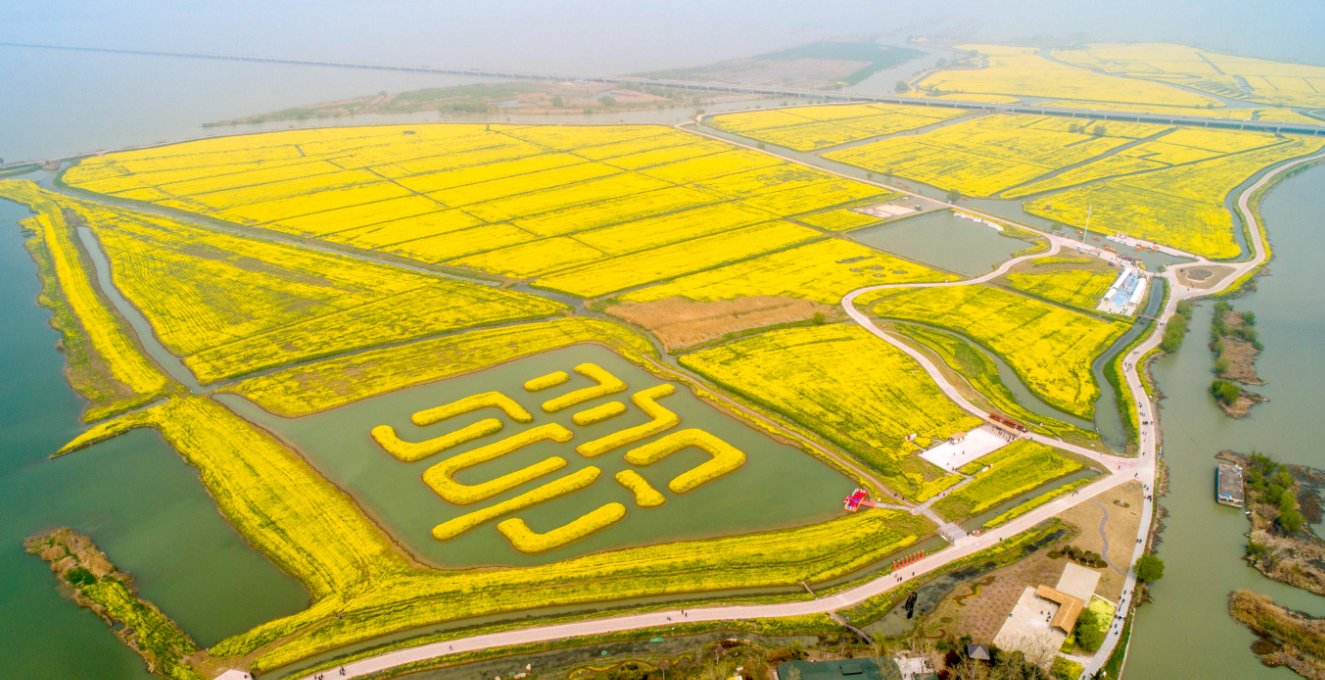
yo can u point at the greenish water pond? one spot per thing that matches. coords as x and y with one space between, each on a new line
944 240
779 485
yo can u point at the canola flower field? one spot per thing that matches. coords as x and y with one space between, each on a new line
1226 75
1022 72
810 128
1180 206
864 395
105 363
587 210
1004 474
1076 282
1050 347
988 154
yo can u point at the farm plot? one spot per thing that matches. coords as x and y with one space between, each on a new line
229 305
1248 78
1021 72
318 386
1050 347
1182 207
1012 471
1177 147
809 128
823 271
1076 282
105 363
571 207
986 155
848 386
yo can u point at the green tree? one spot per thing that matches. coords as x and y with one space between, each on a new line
902 86
1225 392
1149 568
1089 631
954 195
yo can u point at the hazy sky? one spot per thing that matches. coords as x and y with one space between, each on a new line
63 103
619 35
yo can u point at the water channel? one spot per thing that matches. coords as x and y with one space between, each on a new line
1187 632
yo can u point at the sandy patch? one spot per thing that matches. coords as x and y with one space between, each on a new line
680 323
1203 277
1123 508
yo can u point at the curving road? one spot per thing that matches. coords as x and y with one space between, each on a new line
1142 468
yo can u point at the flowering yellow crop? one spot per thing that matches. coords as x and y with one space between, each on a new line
822 271
1013 470
606 384
665 262
526 540
575 481
838 380
645 495
725 457
548 381
1081 285
1222 74
660 420
599 413
441 477
322 385
808 128
517 201
986 155
1050 347
386 437
1029 74
1181 206
111 370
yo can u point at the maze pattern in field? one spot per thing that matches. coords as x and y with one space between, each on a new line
588 210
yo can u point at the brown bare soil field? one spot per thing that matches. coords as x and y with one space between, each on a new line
680 323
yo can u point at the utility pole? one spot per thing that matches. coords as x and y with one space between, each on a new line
1086 230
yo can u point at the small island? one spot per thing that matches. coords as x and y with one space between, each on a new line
1234 341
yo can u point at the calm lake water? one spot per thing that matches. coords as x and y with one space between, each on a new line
1187 632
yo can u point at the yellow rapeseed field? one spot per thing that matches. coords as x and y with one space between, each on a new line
1012 471
823 271
1023 73
808 128
322 385
1050 347
1182 207
571 206
1079 284
1259 80
838 380
1179 146
989 154
229 305
106 364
